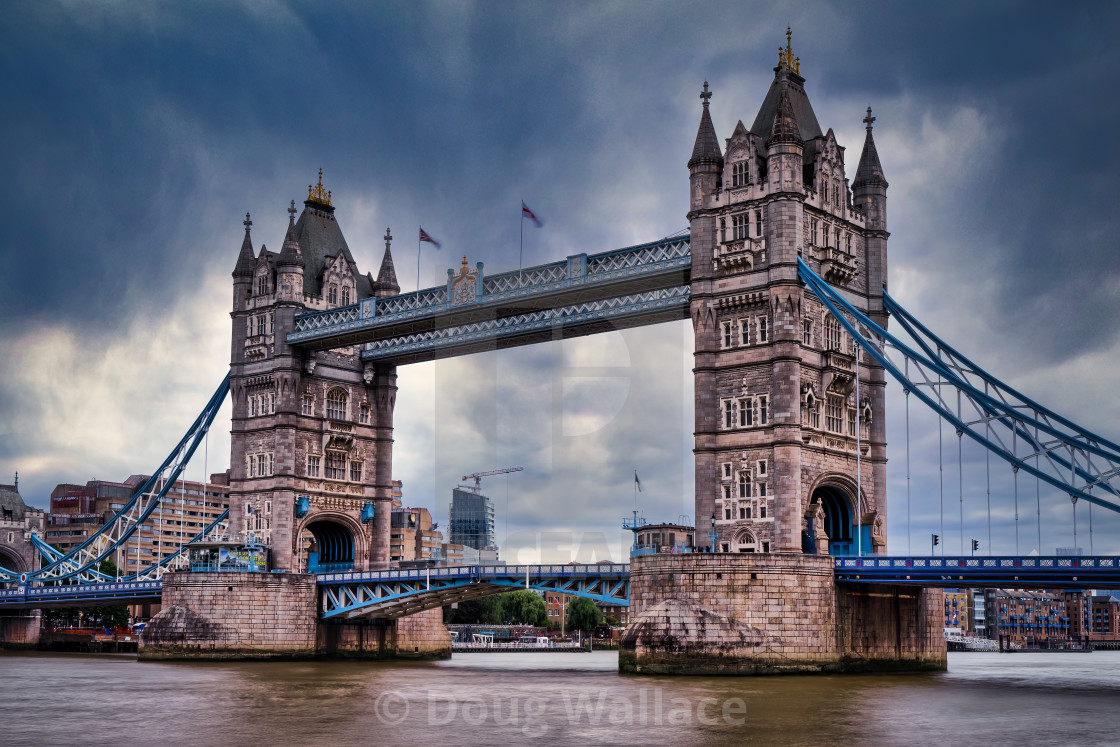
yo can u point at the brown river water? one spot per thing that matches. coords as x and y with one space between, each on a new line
551 699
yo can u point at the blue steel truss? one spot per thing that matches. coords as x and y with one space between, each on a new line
1018 430
642 284
73 594
80 563
995 572
392 594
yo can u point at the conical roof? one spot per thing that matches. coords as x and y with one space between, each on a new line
290 254
869 171
784 128
387 275
246 261
706 150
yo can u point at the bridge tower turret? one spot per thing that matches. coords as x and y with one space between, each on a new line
790 447
312 431
776 407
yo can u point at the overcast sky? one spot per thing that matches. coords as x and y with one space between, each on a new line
134 136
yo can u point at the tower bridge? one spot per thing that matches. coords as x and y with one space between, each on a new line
783 276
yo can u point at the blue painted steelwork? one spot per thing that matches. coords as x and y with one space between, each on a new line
1009 425
303 506
62 595
156 570
80 562
636 285
997 572
391 594
368 513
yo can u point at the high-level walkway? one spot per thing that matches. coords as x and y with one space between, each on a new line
581 295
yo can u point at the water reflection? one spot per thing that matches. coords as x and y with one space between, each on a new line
561 698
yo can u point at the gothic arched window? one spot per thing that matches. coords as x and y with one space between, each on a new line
345 296
332 295
336 404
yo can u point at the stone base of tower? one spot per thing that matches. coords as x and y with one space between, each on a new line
233 616
419 636
275 616
772 613
20 629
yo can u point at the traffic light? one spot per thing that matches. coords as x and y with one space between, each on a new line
975 544
936 540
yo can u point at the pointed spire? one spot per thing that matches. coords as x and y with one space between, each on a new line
290 255
784 129
245 259
387 284
870 171
706 150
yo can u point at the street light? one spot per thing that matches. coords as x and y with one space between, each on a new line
712 534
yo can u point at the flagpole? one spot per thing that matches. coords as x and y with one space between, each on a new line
420 228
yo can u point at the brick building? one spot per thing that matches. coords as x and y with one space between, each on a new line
79 511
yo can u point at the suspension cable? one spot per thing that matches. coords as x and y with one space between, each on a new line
1015 479
960 469
988 472
941 471
909 549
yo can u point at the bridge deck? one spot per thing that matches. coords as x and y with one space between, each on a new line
580 295
1003 572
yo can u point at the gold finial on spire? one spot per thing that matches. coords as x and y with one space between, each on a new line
316 193
786 59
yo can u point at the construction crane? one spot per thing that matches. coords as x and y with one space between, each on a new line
477 476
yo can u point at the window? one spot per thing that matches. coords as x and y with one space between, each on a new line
262 463
356 471
727 513
726 493
728 414
312 465
760 467
763 330
806 332
262 285
724 547
727 470
332 295
259 323
363 412
851 421
336 466
739 226
744 484
833 409
813 231
762 490
831 333
746 412
727 336
740 175
252 406
757 222
336 404
848 242
250 467
744 331
766 547
345 296
307 405
763 409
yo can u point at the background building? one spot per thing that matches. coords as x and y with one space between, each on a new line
79 511
472 520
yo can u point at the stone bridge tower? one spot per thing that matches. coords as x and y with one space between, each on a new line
789 417
312 435
776 394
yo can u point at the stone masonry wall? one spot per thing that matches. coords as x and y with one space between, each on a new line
730 613
759 613
233 616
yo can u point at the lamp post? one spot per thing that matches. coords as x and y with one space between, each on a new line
712 533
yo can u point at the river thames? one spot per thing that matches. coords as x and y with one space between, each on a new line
558 698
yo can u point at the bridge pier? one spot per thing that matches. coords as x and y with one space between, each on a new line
772 613
237 615
20 628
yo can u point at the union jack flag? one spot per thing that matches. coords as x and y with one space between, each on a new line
425 237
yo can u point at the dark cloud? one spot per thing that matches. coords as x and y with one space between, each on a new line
134 137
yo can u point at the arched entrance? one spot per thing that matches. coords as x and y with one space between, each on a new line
745 542
11 560
329 548
835 504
